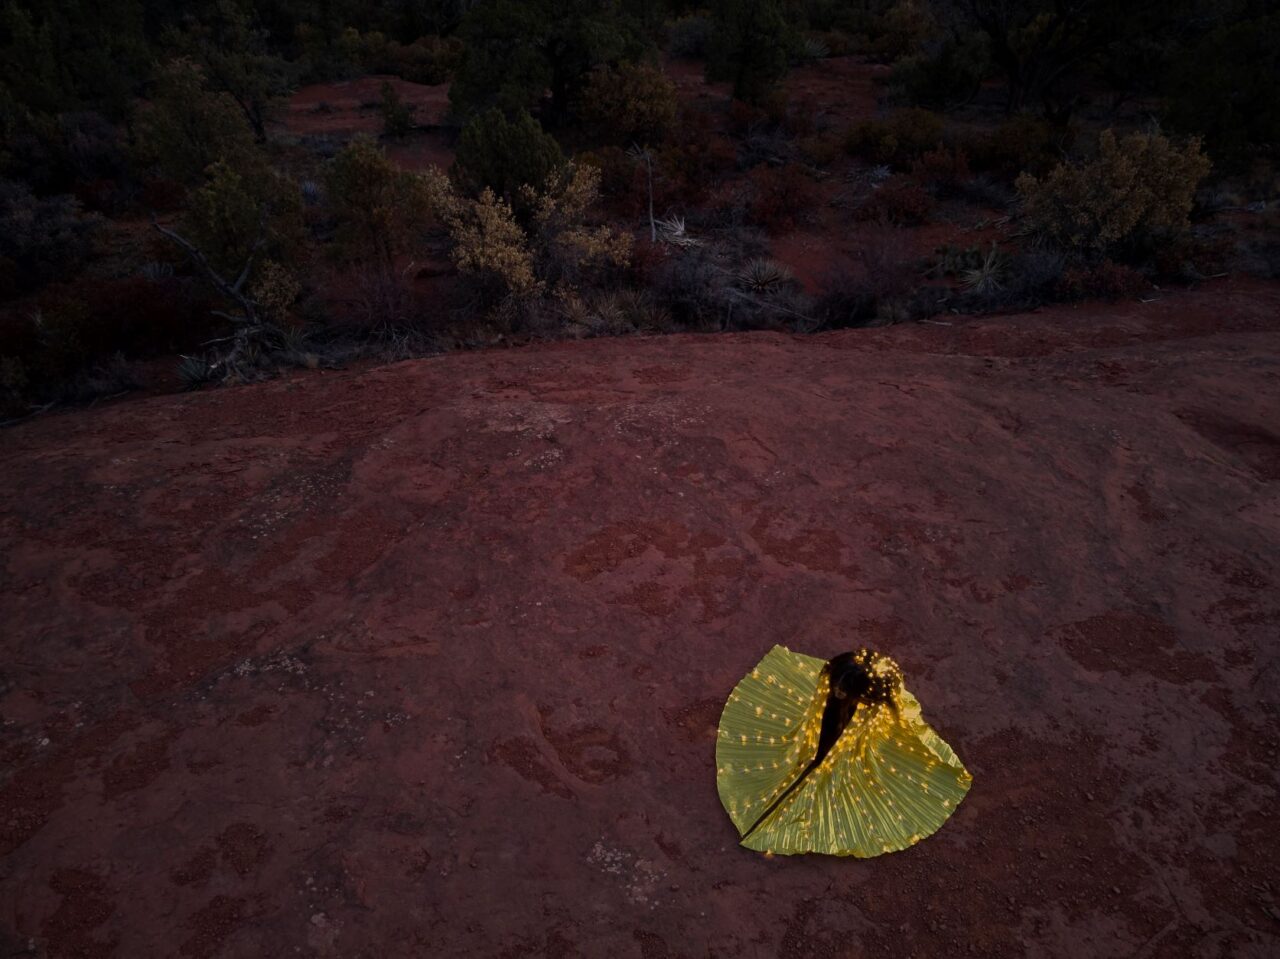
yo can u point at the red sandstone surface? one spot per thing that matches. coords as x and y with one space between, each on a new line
427 660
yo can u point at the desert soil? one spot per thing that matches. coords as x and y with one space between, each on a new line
428 660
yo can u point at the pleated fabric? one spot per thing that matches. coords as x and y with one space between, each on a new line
888 782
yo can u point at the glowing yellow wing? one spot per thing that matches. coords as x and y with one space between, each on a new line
888 782
768 732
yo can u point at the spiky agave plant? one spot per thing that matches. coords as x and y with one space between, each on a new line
762 275
609 315
196 371
987 277
576 314
642 312
672 230
811 48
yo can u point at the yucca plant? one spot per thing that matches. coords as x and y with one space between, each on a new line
642 312
312 192
672 230
811 48
291 339
988 276
762 275
576 314
196 371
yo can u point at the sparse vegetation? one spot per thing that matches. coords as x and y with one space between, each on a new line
594 187
781 197
899 139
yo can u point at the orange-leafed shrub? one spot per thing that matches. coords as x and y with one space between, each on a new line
1105 281
898 139
899 200
781 197
695 159
943 170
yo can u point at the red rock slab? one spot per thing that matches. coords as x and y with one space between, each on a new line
428 660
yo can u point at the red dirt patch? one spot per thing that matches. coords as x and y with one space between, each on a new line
73 930
217 920
1131 643
353 106
244 848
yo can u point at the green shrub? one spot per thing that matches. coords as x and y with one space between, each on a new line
428 60
186 127
397 116
750 43
234 54
41 239
238 211
1224 89
944 74
944 171
378 206
517 50
1135 189
903 28
1102 281
503 154
820 149
630 103
551 249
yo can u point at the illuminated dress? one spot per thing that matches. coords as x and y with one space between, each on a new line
832 757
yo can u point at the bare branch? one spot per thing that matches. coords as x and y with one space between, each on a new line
229 290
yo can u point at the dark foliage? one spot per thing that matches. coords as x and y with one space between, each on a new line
517 49
505 154
749 46
41 239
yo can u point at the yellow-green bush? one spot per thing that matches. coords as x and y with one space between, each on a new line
555 251
1136 187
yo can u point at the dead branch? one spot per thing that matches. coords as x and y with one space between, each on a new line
232 291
